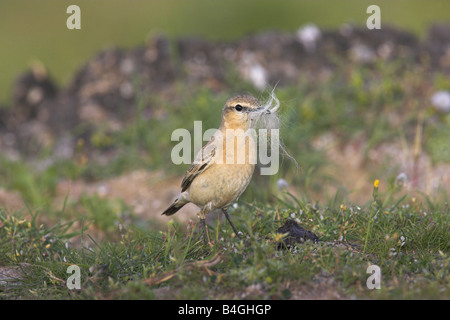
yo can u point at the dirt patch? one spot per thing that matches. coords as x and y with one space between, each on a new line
324 291
13 275
11 201
147 193
357 170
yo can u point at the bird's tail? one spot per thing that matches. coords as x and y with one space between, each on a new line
174 207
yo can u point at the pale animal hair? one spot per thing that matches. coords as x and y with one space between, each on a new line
262 120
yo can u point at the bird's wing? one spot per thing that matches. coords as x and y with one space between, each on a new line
203 161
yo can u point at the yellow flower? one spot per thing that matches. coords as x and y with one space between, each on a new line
47 246
376 183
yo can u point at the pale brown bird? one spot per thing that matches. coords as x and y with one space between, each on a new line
224 167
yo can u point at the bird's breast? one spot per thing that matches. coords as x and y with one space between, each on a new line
230 172
220 185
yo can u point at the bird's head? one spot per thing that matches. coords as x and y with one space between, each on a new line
238 112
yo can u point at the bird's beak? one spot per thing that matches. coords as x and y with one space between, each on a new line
260 109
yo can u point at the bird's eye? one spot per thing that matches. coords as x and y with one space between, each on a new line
238 107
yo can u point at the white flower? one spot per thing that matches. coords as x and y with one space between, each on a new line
402 241
258 76
253 71
309 35
401 179
441 101
282 184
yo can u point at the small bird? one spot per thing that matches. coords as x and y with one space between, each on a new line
224 166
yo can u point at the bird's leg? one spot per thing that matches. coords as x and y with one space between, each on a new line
225 212
206 239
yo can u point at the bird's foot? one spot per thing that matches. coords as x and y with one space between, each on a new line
206 238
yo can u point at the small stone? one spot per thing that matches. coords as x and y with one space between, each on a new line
295 234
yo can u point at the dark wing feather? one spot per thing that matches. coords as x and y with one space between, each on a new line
202 162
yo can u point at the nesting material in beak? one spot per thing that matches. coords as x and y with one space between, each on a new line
262 110
266 117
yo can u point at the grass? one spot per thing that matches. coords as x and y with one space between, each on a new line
407 239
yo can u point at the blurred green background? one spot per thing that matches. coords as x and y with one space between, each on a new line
36 30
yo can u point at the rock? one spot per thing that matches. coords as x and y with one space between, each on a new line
31 90
437 46
295 234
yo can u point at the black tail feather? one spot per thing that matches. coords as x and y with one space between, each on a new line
174 207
